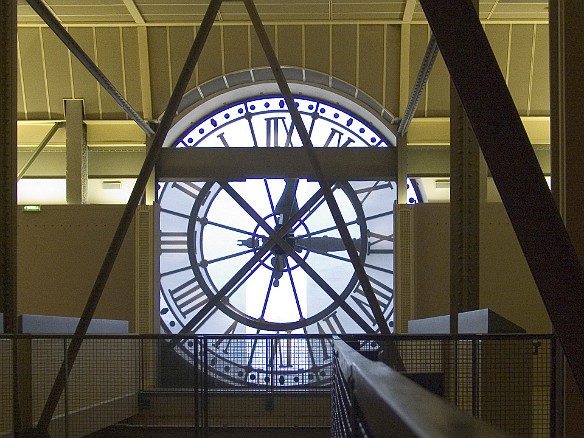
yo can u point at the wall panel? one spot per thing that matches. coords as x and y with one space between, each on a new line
520 65
210 63
540 87
318 54
392 68
506 284
84 84
109 60
344 54
131 60
235 43
290 45
159 69
60 251
371 61
58 73
33 76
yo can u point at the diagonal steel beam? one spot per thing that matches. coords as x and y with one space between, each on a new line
316 166
44 142
41 9
127 216
505 145
394 356
421 80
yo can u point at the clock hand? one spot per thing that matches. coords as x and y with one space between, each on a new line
287 204
252 242
323 244
278 263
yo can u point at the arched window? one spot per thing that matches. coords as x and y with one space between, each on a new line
220 272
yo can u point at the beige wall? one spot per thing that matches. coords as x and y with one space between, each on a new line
60 251
506 284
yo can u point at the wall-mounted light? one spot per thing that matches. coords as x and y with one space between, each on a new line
442 183
111 185
31 208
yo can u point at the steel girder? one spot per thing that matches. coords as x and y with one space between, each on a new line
127 216
512 162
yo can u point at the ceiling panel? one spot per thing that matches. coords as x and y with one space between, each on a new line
192 11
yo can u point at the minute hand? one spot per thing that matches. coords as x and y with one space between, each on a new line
323 244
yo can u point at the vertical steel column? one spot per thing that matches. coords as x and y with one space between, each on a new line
76 153
530 206
567 161
127 216
8 166
465 202
402 169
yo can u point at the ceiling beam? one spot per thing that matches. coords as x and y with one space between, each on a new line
214 164
134 12
409 11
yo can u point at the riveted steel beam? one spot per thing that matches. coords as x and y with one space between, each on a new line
222 164
127 217
77 153
465 208
421 81
505 145
392 354
43 12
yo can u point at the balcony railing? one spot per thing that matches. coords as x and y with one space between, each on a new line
209 383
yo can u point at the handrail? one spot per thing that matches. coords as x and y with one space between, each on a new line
393 405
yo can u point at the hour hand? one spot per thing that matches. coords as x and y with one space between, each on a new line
287 204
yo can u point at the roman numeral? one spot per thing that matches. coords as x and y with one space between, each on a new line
223 141
376 239
188 296
173 242
227 341
317 361
274 134
364 192
188 188
284 352
338 135
333 324
384 295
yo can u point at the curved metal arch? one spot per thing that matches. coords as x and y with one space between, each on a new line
221 91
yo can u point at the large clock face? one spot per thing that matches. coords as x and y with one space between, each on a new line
222 271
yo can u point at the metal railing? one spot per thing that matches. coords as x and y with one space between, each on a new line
209 383
508 381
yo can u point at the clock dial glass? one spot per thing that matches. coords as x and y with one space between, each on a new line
263 255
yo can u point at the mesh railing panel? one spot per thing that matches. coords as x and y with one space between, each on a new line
6 393
215 382
506 381
283 382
